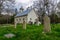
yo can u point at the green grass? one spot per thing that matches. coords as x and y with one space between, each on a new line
33 32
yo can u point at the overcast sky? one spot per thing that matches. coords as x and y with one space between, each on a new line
25 3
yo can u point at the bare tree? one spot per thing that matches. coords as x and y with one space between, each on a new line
45 9
1 5
8 6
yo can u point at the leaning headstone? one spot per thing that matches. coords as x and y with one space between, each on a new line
37 22
24 25
46 24
15 25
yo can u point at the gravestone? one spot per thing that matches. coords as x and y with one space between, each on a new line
24 24
46 24
38 22
15 24
10 35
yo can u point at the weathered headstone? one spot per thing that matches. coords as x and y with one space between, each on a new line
24 24
37 22
15 24
46 24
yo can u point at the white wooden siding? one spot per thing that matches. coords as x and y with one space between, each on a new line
32 15
20 21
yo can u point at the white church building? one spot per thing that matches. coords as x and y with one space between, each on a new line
27 15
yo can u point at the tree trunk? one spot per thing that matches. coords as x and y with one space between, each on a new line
47 27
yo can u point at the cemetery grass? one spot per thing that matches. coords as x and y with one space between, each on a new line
33 32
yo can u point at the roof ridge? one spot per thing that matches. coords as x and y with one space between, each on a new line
24 12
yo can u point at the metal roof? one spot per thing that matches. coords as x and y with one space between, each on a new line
23 13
